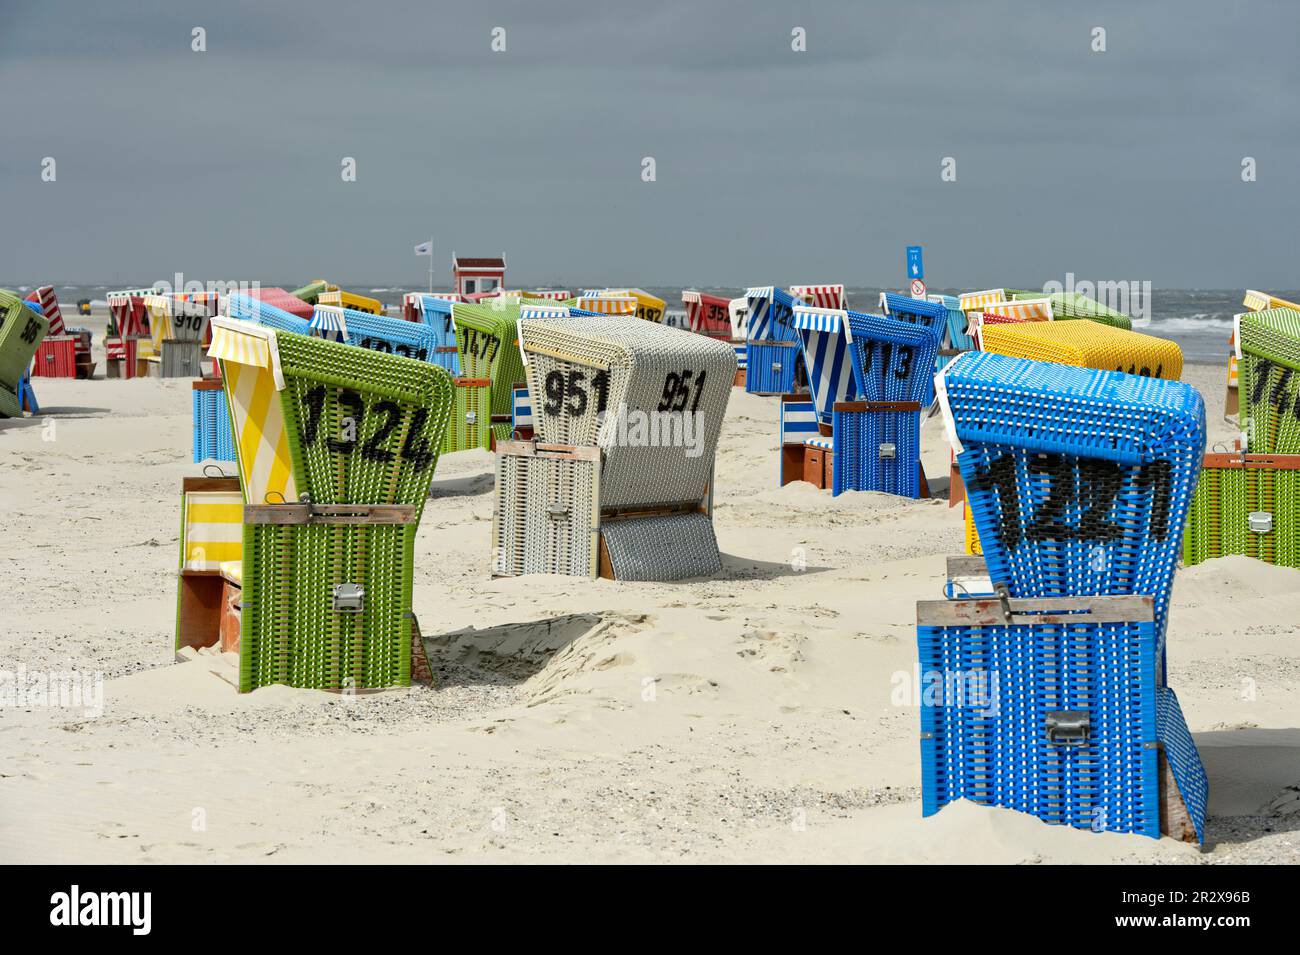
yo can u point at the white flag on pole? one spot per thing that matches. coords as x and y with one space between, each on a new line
424 248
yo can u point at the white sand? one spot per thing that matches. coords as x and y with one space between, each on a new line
747 718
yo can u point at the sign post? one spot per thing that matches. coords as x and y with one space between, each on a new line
915 271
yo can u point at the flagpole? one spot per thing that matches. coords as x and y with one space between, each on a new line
430 265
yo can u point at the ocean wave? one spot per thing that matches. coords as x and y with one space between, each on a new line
1200 322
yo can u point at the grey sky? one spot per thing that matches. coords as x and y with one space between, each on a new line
773 166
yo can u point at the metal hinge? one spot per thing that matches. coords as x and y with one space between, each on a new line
1260 522
888 451
557 512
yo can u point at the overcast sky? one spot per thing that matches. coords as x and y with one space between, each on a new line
773 166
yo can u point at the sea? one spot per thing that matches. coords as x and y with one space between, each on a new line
1199 320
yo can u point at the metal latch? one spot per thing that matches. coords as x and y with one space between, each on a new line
471 417
1068 727
1260 522
888 451
776 366
557 512
349 598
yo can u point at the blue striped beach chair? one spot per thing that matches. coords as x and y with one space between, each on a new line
213 438
255 310
1054 707
773 357
1079 480
521 413
435 312
956 323
392 336
797 427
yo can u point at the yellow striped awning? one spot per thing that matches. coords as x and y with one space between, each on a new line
977 301
213 523
1258 301
607 304
250 367
1029 309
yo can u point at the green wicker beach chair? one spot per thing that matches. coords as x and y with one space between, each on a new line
1268 344
336 448
21 331
487 339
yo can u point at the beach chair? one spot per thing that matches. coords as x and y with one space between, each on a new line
487 344
604 304
213 439
820 296
22 328
311 292
1086 344
1074 305
128 339
618 479
648 307
1055 707
957 325
336 448
435 312
805 445
65 352
915 311
351 300
878 433
1268 358
1079 480
707 314
774 362
250 309
280 299
178 329
1246 504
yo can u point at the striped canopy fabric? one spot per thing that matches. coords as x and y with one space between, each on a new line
250 367
820 296
978 301
606 304
330 323
212 529
1254 301
49 307
823 334
770 314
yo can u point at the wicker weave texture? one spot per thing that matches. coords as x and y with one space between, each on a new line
674 547
546 515
1087 344
1079 480
1218 522
470 423
637 390
291 634
363 427
486 336
213 439
877 451
1269 384
984 739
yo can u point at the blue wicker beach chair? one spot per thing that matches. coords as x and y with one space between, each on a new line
436 313
255 310
392 336
915 311
957 322
772 355
1079 480
213 439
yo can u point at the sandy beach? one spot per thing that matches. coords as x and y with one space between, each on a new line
759 716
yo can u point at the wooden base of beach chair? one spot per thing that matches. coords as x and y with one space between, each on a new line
421 670
658 544
739 380
1231 401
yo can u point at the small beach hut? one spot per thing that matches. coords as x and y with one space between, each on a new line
474 275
